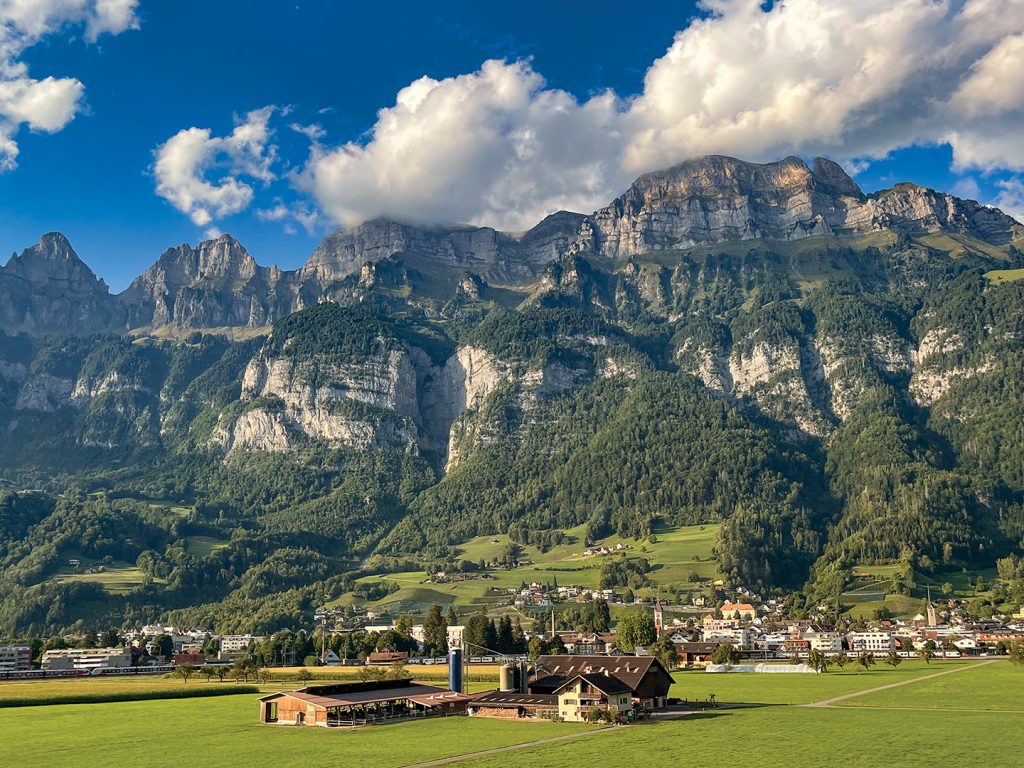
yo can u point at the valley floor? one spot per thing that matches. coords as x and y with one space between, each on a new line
967 712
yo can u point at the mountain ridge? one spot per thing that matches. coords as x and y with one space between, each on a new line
701 202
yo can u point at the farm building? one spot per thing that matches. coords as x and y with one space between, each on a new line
644 676
512 704
360 703
382 658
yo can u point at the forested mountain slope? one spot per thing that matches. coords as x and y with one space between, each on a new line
833 393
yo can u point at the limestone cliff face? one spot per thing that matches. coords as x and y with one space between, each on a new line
45 393
369 404
48 289
216 284
717 199
499 257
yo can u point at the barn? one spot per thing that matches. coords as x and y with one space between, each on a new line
360 703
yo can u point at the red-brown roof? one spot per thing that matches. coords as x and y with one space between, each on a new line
346 698
553 670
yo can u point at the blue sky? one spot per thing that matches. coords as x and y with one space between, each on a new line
562 118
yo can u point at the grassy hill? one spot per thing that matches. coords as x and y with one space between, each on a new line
675 555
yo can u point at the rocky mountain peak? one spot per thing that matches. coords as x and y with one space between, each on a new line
53 260
716 199
48 289
831 178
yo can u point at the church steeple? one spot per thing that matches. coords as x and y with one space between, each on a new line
932 618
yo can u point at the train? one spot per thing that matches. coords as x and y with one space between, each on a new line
51 674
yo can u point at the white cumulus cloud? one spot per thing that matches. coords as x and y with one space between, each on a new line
51 103
207 176
493 145
852 80
1011 196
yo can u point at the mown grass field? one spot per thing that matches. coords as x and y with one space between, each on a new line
117 578
795 688
921 723
225 732
998 687
677 553
791 737
479 677
1005 275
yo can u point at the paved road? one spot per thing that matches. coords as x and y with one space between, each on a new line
911 681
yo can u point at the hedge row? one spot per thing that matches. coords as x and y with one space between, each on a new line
111 696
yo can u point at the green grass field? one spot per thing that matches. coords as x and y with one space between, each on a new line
677 553
922 723
996 687
1005 275
479 676
201 546
224 731
118 578
793 737
796 688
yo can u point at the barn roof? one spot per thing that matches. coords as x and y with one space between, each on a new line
555 670
350 698
515 699
603 683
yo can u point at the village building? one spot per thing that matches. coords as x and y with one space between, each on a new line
15 658
823 640
693 654
360 703
871 641
383 658
192 658
86 658
330 659
743 611
235 646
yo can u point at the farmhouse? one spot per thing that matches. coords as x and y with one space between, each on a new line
644 677
360 703
578 695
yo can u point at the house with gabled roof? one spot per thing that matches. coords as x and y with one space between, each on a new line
646 678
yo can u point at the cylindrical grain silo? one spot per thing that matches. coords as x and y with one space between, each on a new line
455 669
507 678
